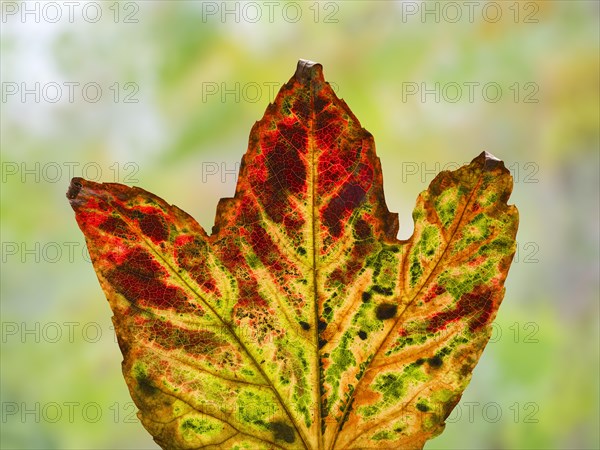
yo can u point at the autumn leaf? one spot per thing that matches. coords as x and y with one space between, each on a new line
302 322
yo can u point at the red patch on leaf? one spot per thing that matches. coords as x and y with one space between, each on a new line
153 225
478 305
171 337
265 249
113 225
434 292
192 256
139 280
349 198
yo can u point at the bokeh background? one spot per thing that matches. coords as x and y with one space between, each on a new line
162 95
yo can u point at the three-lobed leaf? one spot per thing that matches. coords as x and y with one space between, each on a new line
302 322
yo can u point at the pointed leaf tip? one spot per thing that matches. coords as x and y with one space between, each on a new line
488 155
489 161
74 188
307 71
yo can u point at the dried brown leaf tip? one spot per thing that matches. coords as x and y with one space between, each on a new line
302 322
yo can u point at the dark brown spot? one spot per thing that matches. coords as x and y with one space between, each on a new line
435 362
386 311
282 432
144 384
322 325
382 290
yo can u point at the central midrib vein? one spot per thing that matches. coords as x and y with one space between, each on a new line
314 215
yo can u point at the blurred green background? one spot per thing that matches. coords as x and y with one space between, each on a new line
162 95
